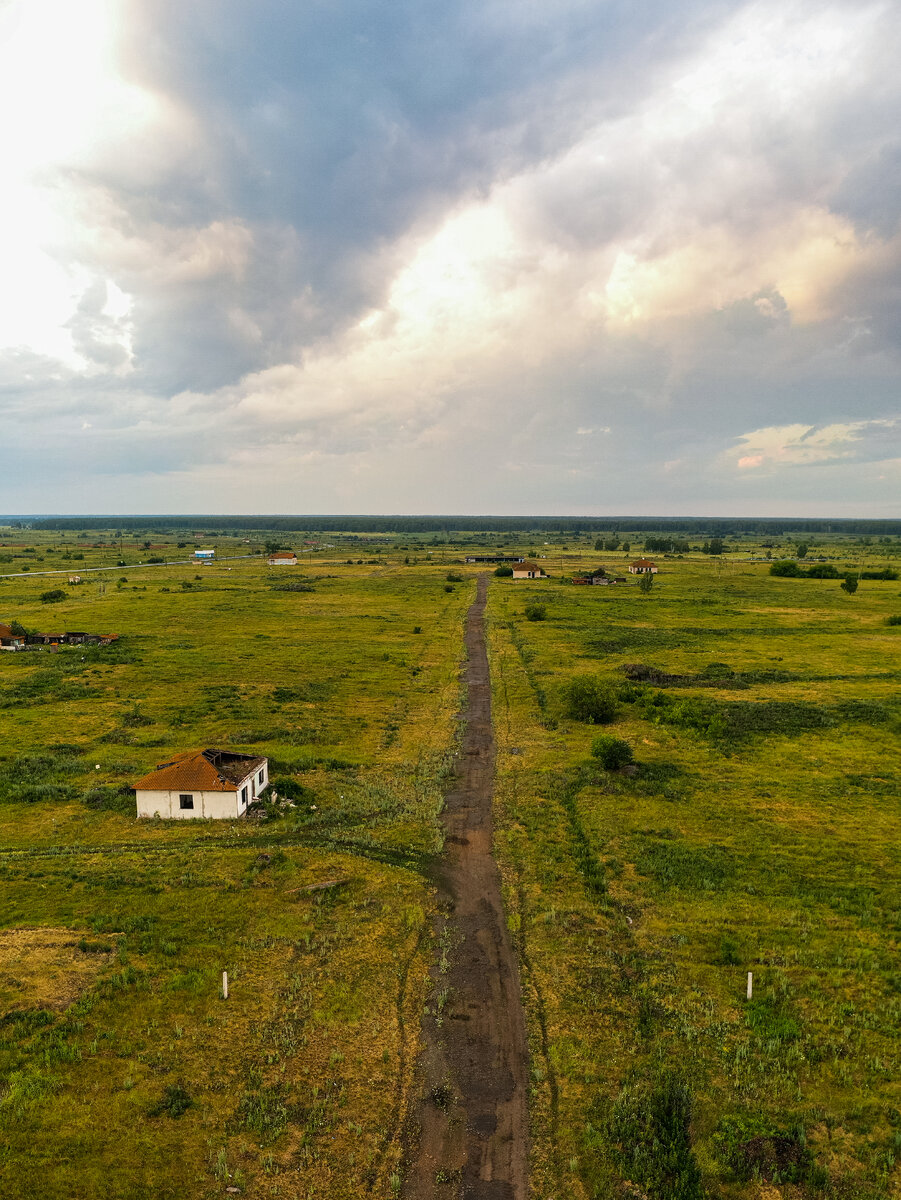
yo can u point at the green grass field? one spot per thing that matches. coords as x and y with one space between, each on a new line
759 833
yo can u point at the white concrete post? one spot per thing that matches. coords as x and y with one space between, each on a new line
750 984
225 986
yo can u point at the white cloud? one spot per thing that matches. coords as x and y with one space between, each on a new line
805 445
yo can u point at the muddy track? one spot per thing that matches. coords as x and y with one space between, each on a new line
468 1129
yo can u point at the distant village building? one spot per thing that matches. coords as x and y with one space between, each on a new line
205 555
283 558
10 640
71 639
494 558
217 784
75 579
598 578
643 566
528 570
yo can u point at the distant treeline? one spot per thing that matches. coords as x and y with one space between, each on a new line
687 526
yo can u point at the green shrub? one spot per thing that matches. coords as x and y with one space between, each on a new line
108 798
822 571
787 568
895 619
175 1102
751 1147
535 611
503 572
588 698
612 753
849 584
888 573
53 597
650 1129
454 577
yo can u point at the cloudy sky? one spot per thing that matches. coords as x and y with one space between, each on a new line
461 256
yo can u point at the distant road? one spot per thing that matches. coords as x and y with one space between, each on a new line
173 562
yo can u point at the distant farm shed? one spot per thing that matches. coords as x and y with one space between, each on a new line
283 558
216 784
528 570
643 566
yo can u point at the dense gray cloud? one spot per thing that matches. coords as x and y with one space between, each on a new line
461 256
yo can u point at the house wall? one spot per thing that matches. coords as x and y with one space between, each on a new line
216 805
282 562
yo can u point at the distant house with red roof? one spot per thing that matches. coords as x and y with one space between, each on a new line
217 784
643 566
528 570
283 558
10 640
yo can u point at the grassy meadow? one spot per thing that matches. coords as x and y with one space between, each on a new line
759 832
125 1073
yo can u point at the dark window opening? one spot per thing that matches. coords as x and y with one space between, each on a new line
185 801
244 795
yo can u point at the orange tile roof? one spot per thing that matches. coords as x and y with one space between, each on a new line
200 771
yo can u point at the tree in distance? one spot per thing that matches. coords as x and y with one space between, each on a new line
802 550
503 572
849 584
53 597
587 698
645 583
611 752
535 611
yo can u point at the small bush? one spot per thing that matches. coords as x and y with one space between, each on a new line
787 568
503 572
417 629
821 571
752 1148
110 799
650 1129
588 698
454 577
53 597
448 587
535 611
175 1102
612 753
849 584
893 620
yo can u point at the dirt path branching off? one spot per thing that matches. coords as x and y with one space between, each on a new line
468 1134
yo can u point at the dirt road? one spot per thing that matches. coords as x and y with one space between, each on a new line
468 1134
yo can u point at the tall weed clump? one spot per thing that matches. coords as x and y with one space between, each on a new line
650 1129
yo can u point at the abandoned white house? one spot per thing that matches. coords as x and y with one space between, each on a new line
528 570
643 566
283 558
202 783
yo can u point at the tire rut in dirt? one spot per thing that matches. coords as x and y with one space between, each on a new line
468 1133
